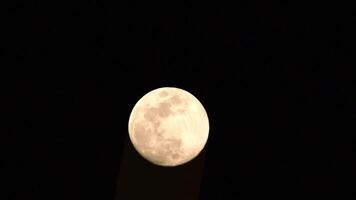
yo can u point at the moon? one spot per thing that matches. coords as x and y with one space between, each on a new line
168 126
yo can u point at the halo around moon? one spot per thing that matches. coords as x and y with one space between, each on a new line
168 126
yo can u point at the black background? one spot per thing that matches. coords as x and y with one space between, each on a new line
273 77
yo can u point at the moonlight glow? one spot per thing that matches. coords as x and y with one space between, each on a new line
168 126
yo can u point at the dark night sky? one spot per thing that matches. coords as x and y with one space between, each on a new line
273 78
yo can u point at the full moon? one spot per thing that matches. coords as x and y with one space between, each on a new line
168 126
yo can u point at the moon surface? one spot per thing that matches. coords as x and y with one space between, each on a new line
168 126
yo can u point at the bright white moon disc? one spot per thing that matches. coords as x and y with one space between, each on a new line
168 126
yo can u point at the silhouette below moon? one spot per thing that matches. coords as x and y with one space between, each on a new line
168 126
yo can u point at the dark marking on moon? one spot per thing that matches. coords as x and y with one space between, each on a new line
176 99
163 94
156 124
142 134
151 114
164 109
169 149
175 156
